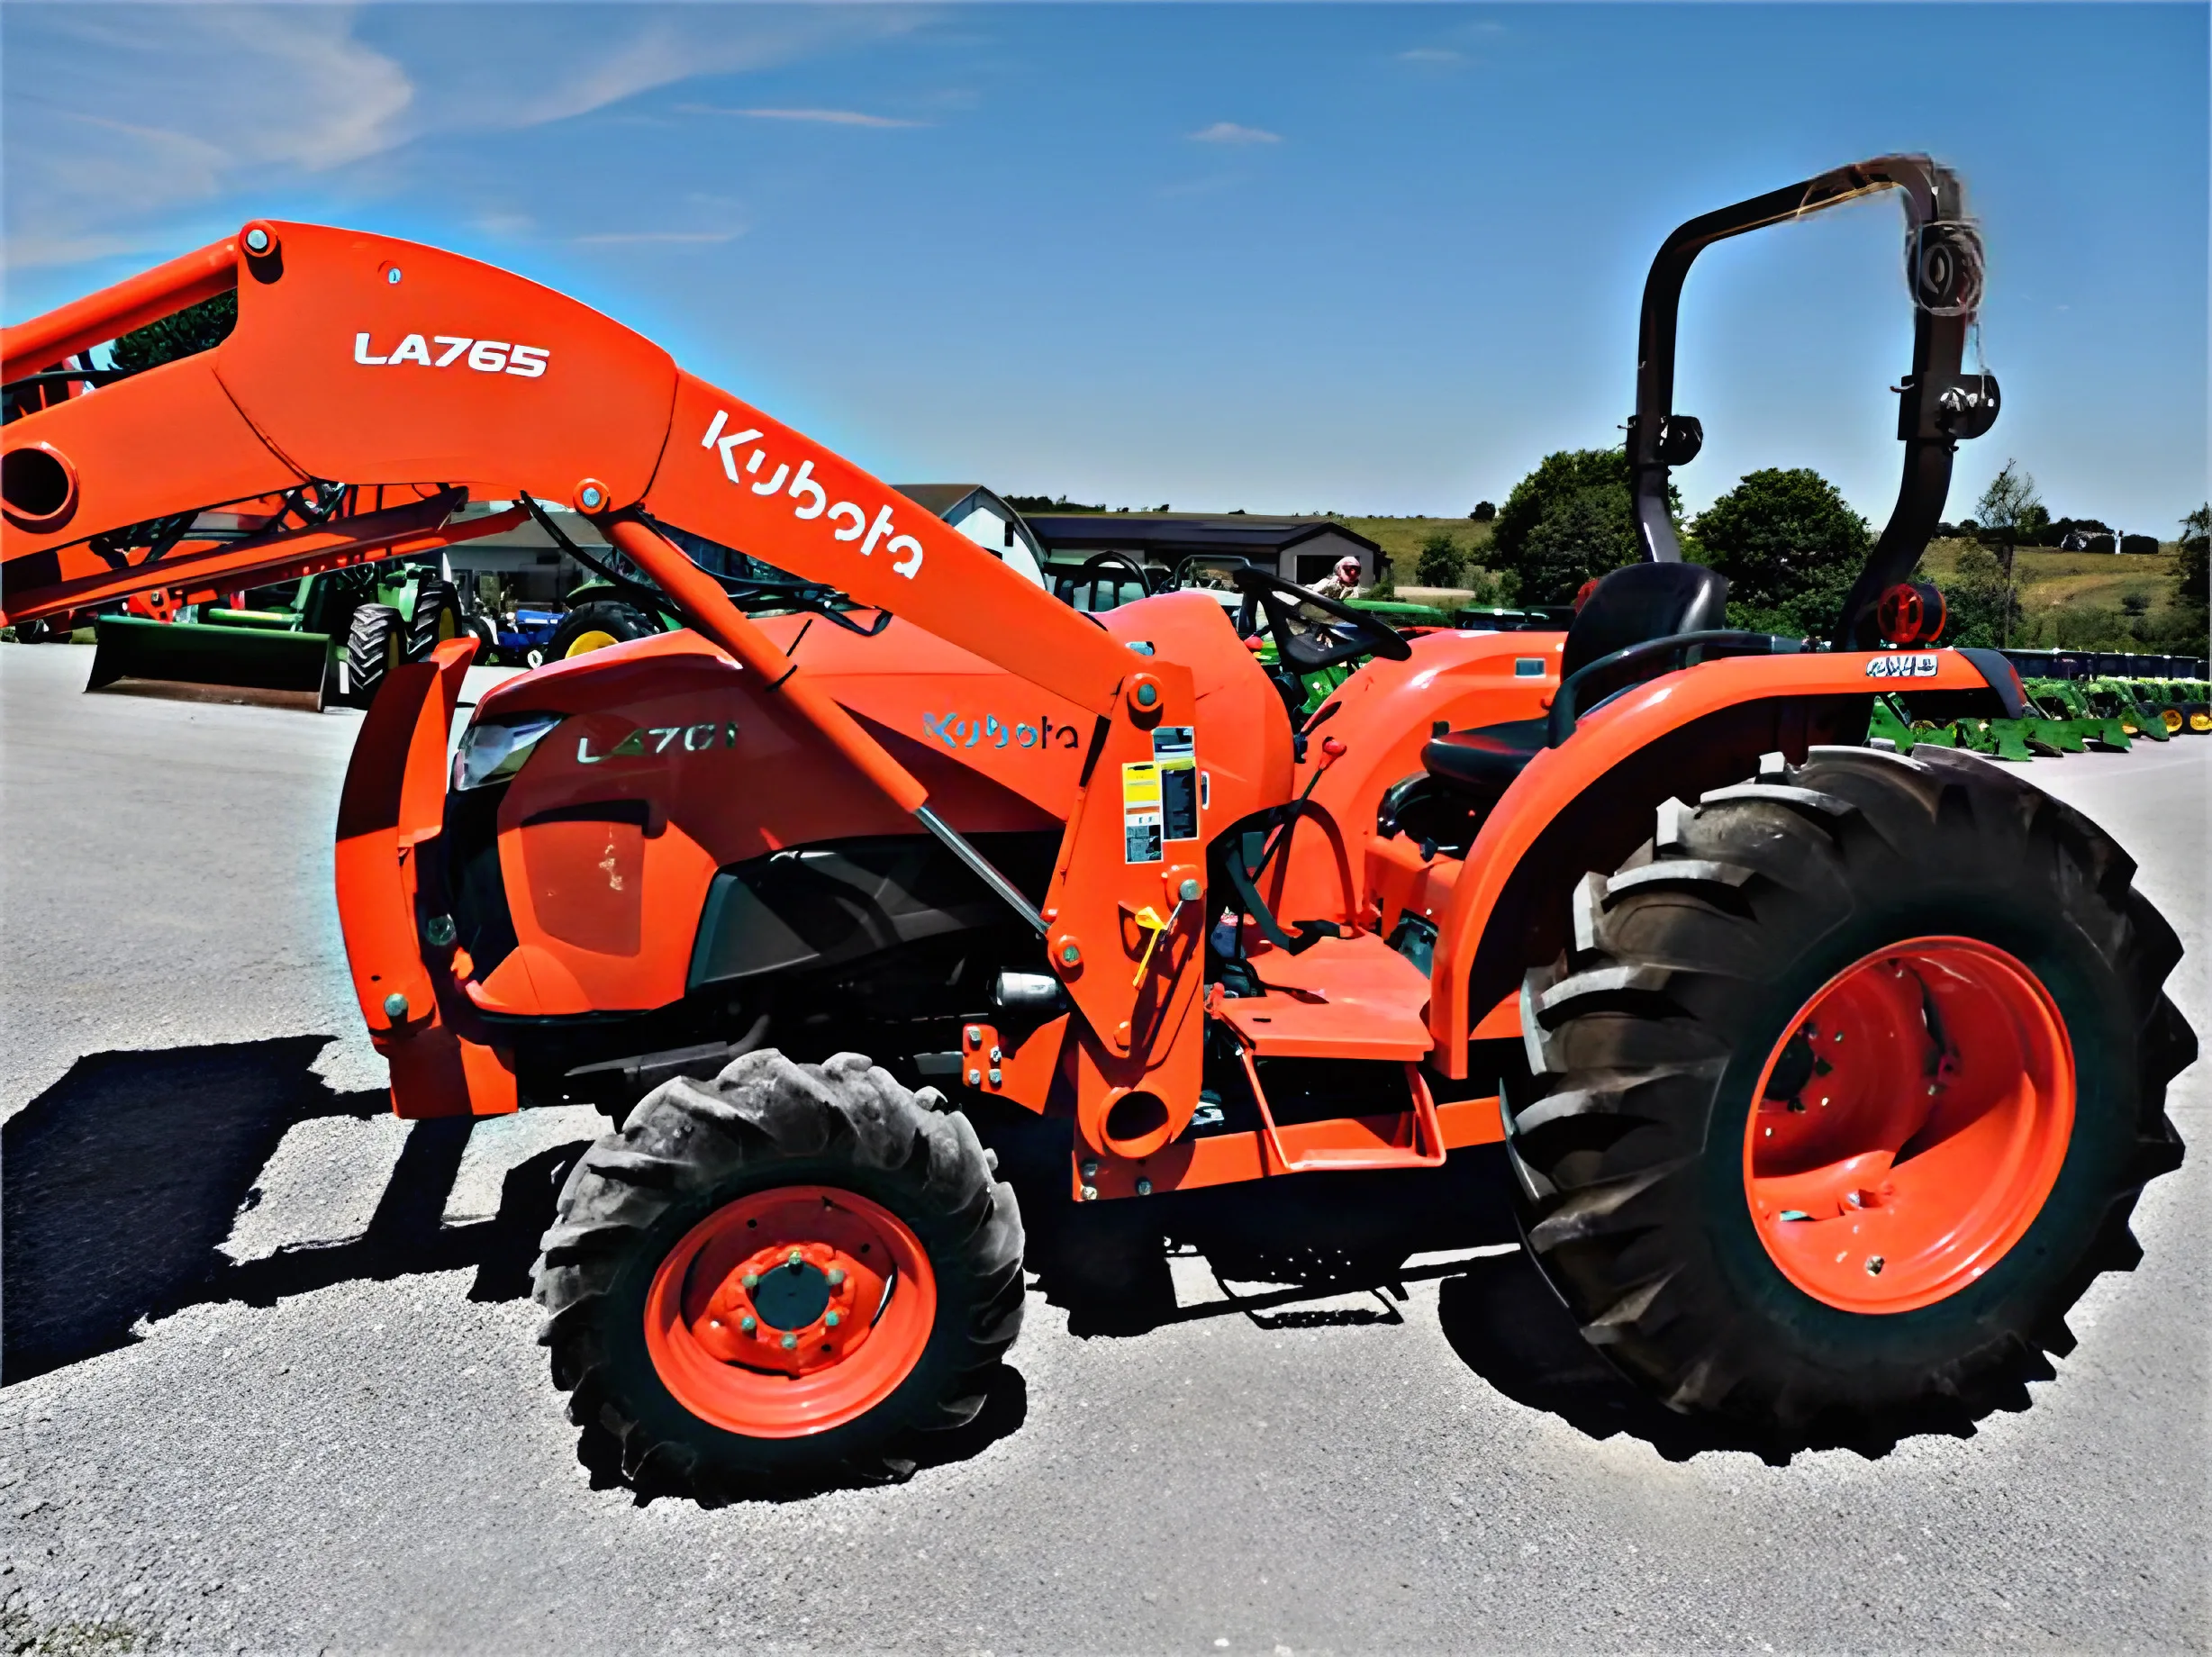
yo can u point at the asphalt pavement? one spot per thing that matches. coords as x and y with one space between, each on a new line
270 1381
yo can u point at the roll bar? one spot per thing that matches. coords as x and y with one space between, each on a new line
1940 405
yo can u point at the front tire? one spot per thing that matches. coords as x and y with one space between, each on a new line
804 1179
435 618
1969 1157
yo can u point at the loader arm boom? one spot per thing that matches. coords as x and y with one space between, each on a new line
367 360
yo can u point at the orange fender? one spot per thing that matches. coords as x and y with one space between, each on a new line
1587 804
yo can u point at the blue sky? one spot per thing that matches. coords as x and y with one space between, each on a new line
1364 259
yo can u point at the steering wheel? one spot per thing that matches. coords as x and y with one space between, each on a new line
1312 632
1098 563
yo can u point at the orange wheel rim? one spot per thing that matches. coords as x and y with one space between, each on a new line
790 1311
1907 1129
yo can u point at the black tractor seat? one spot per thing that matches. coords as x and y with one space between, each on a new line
1484 760
1631 606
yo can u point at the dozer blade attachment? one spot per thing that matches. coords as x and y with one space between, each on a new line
197 662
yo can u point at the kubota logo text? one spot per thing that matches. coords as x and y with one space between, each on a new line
484 356
813 499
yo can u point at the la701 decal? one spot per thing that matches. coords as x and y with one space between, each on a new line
1901 666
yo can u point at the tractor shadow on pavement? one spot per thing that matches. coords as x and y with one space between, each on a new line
123 1179
1505 1323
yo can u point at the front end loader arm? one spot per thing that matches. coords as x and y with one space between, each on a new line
364 361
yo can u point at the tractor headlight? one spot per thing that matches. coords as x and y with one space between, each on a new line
492 750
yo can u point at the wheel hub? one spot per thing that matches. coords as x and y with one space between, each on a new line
791 1308
1910 1125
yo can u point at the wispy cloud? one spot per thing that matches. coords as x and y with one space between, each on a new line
827 117
1430 54
1230 132
606 239
131 155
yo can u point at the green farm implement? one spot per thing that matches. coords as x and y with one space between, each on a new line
299 643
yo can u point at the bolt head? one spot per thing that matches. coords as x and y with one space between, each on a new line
1069 953
1188 891
392 275
439 931
1148 694
591 497
831 1320
795 1259
995 1055
995 1076
751 1280
1090 1193
975 1077
749 1323
836 1276
1144 1187
791 1342
257 240
395 1005
1090 1171
974 1036
1874 1262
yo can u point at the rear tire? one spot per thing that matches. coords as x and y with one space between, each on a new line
1659 1044
767 1139
595 626
375 643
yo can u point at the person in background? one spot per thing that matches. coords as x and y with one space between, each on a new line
1343 582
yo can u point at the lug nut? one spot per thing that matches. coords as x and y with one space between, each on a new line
1090 1193
749 1323
995 1077
836 1276
996 1056
751 1280
831 1320
975 1077
974 1036
791 1342
795 1260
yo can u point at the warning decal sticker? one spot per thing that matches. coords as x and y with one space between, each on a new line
1140 812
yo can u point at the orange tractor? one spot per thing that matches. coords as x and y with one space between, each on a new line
1826 1078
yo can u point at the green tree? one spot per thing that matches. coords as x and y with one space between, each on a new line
2010 510
1569 520
2193 582
1789 546
1440 562
196 328
1982 607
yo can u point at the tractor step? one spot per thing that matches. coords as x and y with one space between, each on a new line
1344 998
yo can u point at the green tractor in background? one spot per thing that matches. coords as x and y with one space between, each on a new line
333 637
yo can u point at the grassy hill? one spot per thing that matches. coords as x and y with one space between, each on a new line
2083 600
